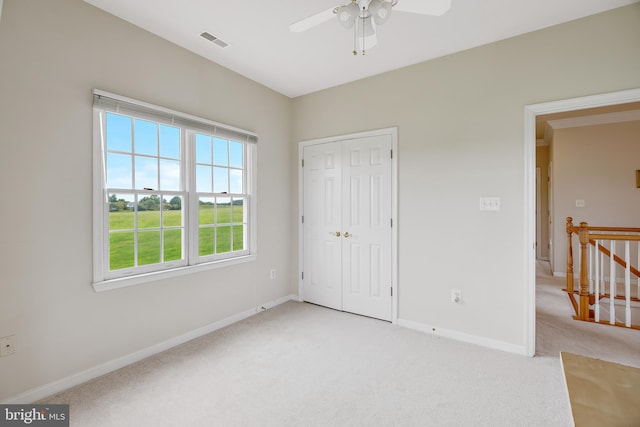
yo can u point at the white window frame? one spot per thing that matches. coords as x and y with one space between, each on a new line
103 279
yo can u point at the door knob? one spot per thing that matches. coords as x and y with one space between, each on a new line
337 233
346 234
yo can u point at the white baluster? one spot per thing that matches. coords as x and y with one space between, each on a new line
612 284
602 269
597 268
590 269
627 285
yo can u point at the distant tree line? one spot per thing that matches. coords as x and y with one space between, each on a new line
147 203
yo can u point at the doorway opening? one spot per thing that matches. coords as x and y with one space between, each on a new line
532 112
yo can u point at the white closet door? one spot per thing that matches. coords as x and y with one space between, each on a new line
347 225
366 224
322 176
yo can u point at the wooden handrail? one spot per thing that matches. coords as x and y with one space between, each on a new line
620 229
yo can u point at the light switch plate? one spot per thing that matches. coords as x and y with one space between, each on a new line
580 203
489 203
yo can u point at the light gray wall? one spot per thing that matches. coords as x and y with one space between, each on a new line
460 122
52 54
598 165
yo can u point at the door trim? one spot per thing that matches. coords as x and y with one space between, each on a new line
393 132
530 113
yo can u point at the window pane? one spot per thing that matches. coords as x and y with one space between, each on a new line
148 247
223 211
220 180
203 179
121 252
220 152
238 210
146 173
238 237
118 130
205 241
203 149
170 175
236 180
172 214
206 210
235 157
121 211
146 137
169 141
149 212
119 171
172 245
223 239
145 162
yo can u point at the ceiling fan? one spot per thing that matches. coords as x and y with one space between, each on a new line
364 15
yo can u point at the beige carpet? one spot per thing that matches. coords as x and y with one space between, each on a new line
303 365
557 331
602 393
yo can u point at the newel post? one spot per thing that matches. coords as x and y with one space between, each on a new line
584 280
569 278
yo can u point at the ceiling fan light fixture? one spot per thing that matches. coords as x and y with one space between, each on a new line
363 16
380 10
348 14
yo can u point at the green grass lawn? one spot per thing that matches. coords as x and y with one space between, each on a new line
212 239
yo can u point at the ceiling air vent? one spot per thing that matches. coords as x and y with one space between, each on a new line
214 39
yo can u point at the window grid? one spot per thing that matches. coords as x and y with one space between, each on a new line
146 196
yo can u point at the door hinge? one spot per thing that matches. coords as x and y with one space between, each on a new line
391 291
391 222
302 275
303 219
302 162
392 154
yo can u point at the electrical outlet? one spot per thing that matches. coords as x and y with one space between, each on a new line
7 345
456 296
273 273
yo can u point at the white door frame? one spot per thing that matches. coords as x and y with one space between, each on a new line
530 113
393 132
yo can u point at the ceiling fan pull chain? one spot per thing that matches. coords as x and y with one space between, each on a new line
355 40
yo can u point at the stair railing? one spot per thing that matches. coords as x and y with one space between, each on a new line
592 281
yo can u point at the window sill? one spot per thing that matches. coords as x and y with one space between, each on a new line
123 282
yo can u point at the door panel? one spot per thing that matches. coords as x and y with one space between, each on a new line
366 259
322 248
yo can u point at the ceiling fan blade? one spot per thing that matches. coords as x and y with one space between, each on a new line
424 7
312 21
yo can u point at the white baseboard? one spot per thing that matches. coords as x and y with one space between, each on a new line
46 390
461 336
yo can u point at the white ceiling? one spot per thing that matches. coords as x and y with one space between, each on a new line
263 49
